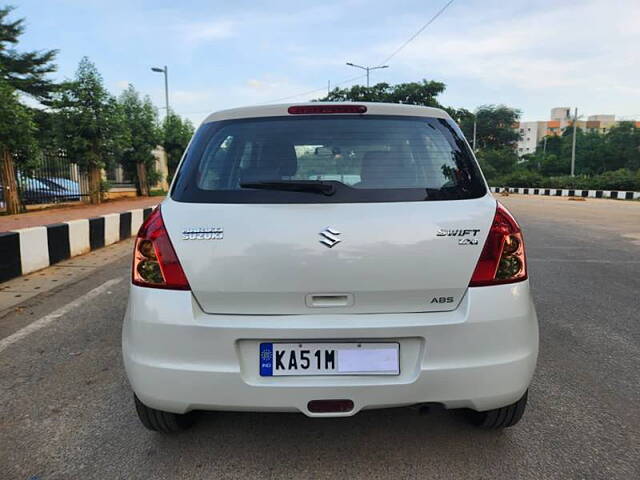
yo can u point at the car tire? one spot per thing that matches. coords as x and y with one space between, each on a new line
502 417
164 422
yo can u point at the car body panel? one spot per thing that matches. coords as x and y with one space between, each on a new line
390 258
373 108
179 358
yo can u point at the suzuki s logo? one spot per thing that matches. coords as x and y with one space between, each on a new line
330 237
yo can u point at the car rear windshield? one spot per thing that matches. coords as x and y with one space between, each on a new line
328 159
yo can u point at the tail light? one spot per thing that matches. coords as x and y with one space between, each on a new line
502 259
155 263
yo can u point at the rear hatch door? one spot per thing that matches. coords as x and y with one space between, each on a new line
329 258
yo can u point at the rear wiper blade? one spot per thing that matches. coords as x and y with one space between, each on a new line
311 186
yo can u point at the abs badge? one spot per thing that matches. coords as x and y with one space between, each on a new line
206 233
266 359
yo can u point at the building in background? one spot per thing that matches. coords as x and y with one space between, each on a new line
601 123
532 133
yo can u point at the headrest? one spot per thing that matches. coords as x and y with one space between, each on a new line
387 169
279 158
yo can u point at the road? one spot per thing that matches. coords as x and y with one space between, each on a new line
67 411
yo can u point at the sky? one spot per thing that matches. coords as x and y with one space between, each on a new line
222 54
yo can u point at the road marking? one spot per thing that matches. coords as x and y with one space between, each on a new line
47 319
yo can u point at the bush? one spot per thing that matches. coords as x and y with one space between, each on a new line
497 160
522 178
623 179
617 180
567 181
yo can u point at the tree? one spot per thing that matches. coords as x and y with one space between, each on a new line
176 136
622 143
554 165
16 142
142 136
496 137
495 127
414 93
596 153
497 161
90 124
27 71
24 73
461 116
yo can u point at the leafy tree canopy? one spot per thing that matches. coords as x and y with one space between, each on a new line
414 93
497 161
596 152
495 127
17 127
142 133
90 123
141 136
176 135
24 71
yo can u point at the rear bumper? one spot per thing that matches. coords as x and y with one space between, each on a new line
480 356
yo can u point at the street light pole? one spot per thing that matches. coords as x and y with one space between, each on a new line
573 144
367 69
474 134
164 70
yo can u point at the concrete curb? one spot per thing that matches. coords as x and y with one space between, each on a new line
29 249
565 192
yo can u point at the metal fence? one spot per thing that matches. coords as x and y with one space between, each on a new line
118 176
50 178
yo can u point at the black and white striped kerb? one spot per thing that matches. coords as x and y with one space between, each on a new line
96 232
10 259
125 224
29 249
58 242
562 192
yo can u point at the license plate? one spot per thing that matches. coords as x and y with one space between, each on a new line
287 359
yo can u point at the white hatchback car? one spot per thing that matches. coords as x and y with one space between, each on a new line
329 258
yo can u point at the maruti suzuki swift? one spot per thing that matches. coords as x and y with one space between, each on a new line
325 259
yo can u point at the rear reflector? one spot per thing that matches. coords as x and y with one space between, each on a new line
330 406
323 109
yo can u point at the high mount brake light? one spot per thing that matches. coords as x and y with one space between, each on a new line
322 109
155 263
502 259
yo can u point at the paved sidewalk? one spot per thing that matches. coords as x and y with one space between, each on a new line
64 214
73 270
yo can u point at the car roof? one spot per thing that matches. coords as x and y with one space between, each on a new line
280 110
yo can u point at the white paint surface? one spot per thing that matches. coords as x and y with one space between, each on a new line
111 228
34 250
78 237
136 220
280 110
371 360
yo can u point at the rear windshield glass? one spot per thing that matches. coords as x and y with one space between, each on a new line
319 159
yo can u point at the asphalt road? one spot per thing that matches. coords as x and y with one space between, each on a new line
67 411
